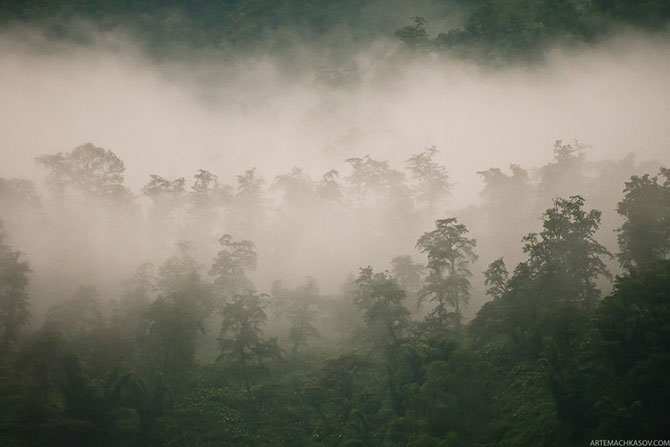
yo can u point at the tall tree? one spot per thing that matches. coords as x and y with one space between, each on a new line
301 307
88 170
496 277
175 318
644 237
432 178
14 312
244 351
231 266
565 175
414 36
173 325
553 287
380 298
450 254
565 257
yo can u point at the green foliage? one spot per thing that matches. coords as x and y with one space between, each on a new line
231 266
644 237
380 299
545 362
558 278
300 307
496 30
414 36
14 311
174 320
450 254
180 276
244 351
490 30
565 257
173 325
496 277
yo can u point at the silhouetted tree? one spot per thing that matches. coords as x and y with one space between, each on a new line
414 36
380 299
230 268
301 307
644 237
565 257
432 179
88 170
244 351
496 277
450 254
14 311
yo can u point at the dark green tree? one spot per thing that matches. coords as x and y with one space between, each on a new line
301 307
379 297
450 254
180 275
496 277
14 305
564 257
644 237
231 266
414 36
244 351
173 325
548 292
175 319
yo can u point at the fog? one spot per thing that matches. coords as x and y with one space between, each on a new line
227 115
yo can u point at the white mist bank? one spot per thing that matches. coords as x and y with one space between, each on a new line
226 116
172 119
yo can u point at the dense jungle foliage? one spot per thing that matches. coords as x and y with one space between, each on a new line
489 30
186 354
539 316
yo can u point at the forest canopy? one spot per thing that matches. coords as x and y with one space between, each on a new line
191 347
334 223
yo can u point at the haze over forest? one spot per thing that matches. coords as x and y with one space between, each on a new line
432 223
